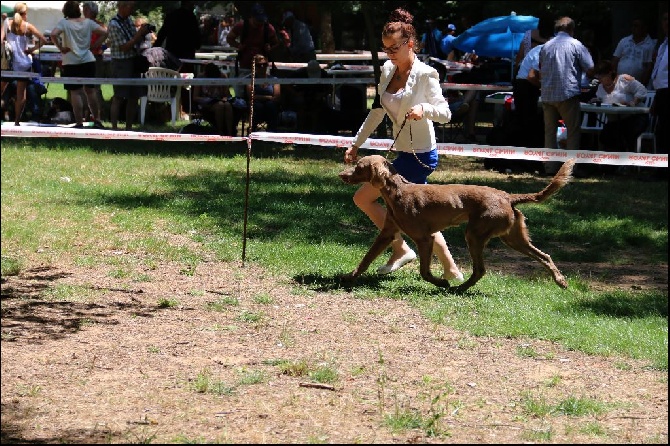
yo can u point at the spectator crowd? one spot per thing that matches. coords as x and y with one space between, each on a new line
556 64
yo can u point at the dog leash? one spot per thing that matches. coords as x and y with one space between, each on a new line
411 144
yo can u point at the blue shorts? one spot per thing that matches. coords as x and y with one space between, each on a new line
412 169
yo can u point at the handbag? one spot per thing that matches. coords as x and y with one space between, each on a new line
140 64
7 56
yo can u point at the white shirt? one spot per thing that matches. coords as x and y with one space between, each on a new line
392 102
625 91
659 76
633 56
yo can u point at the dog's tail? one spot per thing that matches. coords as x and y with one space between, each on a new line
562 177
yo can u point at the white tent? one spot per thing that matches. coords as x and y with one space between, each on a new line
44 15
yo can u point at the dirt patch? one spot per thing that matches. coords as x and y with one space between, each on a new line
160 360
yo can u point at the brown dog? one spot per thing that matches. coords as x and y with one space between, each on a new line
420 210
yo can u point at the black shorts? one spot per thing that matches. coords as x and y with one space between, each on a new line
79 70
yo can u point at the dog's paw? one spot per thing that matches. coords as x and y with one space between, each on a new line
460 289
347 279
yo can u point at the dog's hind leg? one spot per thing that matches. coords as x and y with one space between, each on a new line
477 238
517 238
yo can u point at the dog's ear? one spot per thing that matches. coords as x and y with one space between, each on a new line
379 173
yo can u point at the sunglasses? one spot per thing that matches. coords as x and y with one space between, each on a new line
395 48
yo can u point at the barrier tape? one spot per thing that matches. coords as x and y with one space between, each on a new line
481 150
474 150
27 130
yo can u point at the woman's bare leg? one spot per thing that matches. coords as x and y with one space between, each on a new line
20 101
77 98
93 104
223 117
441 250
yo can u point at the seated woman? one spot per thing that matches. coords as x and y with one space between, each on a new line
620 135
266 96
213 102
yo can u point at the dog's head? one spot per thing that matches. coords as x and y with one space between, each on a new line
373 169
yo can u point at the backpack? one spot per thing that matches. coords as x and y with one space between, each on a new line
243 37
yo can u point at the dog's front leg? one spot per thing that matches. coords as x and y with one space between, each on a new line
378 246
425 248
384 238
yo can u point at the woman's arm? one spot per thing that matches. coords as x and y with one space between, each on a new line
102 33
376 114
276 92
372 121
41 40
55 33
639 92
436 108
634 88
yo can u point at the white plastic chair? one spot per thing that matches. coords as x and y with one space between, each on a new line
649 133
160 92
597 126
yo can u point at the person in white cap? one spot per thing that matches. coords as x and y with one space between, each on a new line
302 44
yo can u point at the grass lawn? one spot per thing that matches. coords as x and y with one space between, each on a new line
78 199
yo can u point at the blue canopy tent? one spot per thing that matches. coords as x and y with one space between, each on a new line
497 36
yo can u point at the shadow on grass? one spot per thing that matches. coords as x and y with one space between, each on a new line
23 299
338 282
622 305
374 284
12 430
589 220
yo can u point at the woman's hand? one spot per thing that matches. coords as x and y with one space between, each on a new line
351 155
415 113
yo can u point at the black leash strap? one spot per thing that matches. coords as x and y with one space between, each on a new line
398 134
411 144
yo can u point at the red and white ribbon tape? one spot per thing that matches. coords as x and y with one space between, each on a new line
481 151
475 150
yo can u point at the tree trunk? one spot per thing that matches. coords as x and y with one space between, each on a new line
327 40
368 9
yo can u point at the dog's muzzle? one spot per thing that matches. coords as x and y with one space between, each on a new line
346 175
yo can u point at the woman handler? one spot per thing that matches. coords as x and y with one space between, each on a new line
409 90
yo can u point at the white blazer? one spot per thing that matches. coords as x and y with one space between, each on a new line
422 87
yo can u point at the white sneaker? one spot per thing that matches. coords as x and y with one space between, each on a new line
402 261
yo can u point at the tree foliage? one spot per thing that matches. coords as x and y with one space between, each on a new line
342 25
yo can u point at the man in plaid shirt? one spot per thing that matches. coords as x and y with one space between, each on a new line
123 40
